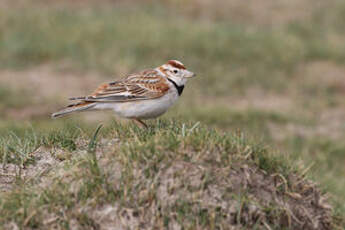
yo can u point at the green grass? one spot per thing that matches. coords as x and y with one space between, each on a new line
329 165
9 98
129 175
99 39
278 84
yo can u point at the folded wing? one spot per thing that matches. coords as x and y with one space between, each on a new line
148 84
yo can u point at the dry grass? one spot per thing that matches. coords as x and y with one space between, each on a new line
189 177
273 70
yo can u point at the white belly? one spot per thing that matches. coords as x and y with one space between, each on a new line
142 109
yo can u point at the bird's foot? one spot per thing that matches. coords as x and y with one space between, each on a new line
140 123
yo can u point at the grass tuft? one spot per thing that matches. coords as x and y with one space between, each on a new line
178 170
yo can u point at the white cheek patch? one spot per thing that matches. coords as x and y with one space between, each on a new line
179 80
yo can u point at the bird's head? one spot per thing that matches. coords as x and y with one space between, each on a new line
176 71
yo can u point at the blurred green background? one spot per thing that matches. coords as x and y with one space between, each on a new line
273 69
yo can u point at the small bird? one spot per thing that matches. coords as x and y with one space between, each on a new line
144 95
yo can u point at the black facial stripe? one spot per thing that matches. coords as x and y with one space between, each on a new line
178 88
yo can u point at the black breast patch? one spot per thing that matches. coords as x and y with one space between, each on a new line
178 88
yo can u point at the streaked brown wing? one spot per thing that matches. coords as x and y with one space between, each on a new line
142 86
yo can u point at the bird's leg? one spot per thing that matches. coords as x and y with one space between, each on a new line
140 123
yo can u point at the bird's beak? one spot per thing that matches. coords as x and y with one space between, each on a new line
190 74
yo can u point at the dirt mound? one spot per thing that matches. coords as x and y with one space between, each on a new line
165 178
236 197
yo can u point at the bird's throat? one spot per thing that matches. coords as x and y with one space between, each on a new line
178 88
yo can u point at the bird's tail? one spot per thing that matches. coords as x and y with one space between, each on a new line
76 107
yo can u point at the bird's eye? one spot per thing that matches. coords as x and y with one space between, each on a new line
175 71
